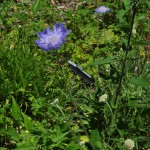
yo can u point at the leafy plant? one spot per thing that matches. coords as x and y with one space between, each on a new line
43 105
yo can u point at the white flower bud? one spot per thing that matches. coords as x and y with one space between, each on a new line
103 98
129 144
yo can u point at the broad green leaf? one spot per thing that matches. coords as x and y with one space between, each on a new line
60 137
36 105
140 81
142 42
127 3
36 6
105 61
16 112
122 132
121 17
25 145
86 108
95 139
73 146
13 134
27 121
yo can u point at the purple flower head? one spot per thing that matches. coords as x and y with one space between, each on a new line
52 39
102 9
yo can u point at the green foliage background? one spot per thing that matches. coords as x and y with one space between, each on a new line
43 105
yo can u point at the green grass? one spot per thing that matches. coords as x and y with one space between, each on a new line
43 105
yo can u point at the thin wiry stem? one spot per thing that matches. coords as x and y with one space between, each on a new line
126 55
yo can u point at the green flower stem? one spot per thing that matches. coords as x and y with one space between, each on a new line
118 91
109 108
60 109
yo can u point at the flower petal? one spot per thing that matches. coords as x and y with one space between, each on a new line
52 39
102 9
42 45
44 33
59 27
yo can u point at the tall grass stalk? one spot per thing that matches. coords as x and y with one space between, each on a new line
118 91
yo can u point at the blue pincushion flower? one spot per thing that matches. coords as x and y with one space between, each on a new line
102 10
52 39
